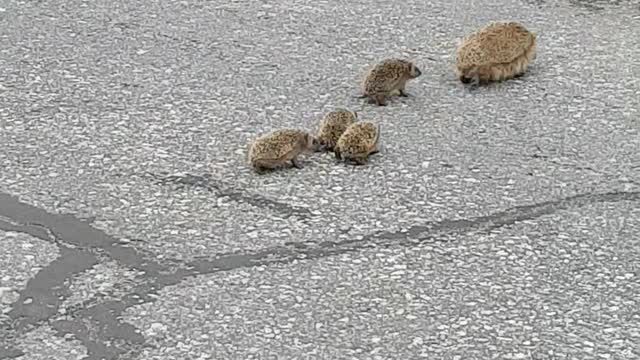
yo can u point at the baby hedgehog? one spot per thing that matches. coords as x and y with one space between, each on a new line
279 147
499 51
332 125
358 142
387 77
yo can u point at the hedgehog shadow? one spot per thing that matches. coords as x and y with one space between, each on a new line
329 157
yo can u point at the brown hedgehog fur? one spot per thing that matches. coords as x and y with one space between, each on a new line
279 147
358 142
332 125
499 51
387 77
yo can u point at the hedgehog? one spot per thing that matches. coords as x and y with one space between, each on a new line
358 142
499 51
332 125
279 147
386 78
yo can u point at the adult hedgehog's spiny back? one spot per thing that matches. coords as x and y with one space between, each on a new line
498 51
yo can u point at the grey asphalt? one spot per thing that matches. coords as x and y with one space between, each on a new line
499 222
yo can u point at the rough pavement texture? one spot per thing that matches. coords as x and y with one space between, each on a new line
499 222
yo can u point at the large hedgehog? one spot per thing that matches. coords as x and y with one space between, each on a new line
499 51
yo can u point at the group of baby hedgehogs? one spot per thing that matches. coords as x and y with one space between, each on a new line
496 52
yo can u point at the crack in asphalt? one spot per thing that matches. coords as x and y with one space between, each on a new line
206 182
98 325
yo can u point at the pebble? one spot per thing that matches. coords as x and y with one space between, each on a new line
158 327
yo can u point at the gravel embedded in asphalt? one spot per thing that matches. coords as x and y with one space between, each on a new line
562 286
125 126
44 344
163 94
21 257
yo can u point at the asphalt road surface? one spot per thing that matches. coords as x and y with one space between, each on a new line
500 222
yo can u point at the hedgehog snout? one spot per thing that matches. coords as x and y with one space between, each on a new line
316 145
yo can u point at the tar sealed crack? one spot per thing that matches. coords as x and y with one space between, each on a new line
206 182
98 325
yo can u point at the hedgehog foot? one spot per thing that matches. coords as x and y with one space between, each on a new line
356 160
475 81
261 170
296 164
464 79
379 99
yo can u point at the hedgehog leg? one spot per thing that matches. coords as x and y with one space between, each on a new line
464 79
380 100
472 76
360 161
321 148
259 169
518 75
402 90
296 164
475 80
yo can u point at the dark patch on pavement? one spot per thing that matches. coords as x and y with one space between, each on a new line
101 331
98 325
206 182
79 246
9 352
435 231
47 290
